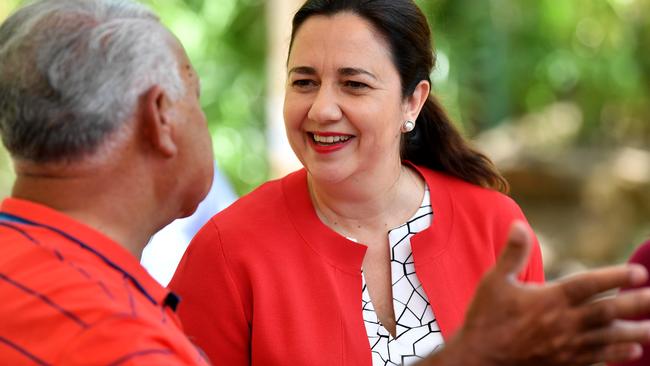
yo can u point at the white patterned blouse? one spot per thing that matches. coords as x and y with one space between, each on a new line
417 332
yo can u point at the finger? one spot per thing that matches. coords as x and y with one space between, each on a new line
622 352
629 304
620 331
583 286
515 255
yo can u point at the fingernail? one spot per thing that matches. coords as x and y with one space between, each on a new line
635 352
638 274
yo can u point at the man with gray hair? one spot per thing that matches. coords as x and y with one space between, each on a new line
99 111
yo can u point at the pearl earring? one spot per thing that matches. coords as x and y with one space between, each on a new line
408 126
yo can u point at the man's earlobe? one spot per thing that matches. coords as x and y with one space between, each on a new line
157 121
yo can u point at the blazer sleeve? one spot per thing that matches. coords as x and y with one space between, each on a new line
534 270
211 307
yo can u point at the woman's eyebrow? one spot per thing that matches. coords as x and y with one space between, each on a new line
353 71
344 71
303 70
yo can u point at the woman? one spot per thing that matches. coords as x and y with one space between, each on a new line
370 254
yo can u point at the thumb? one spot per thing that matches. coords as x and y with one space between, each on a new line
514 257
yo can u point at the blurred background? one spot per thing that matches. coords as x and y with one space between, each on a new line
557 93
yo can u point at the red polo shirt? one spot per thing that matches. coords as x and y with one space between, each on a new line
69 295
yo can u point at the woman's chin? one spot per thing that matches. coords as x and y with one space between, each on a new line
327 174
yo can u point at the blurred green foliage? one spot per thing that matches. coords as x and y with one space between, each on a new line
226 41
498 60
508 58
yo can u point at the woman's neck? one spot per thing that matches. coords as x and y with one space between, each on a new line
367 204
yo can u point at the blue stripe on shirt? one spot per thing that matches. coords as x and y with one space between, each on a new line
141 353
12 218
16 347
56 253
45 299
19 230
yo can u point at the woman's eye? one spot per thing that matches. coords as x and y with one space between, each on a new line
355 84
303 83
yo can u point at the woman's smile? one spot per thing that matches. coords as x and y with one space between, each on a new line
328 142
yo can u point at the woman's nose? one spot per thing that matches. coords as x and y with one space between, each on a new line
325 107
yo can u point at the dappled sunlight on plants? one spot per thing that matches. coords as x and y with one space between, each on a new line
556 92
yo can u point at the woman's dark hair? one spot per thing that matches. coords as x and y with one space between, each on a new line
435 142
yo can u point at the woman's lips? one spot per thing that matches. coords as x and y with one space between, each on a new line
328 142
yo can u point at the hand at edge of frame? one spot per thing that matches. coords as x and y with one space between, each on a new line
560 323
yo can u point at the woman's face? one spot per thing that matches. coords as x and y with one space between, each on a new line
343 106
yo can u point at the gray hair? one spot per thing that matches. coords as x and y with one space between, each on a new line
71 73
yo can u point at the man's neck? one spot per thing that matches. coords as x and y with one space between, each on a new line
98 200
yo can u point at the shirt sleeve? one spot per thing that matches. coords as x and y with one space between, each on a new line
212 308
128 341
534 270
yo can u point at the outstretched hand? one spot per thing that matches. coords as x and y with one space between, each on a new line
558 324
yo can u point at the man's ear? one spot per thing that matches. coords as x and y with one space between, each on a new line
157 124
414 102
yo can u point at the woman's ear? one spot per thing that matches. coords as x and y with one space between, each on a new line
157 122
414 102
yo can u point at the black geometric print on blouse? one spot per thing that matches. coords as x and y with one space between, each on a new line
417 332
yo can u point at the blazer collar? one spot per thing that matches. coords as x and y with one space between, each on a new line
348 255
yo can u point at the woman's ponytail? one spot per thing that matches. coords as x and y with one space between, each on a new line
436 144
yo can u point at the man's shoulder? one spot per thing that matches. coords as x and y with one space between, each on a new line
59 307
43 281
130 339
48 277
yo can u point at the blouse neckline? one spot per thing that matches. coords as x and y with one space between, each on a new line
348 255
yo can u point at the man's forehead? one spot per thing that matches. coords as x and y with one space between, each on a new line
185 65
189 70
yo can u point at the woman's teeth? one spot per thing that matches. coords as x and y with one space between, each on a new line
330 139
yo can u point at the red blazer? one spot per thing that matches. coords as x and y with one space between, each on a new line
265 282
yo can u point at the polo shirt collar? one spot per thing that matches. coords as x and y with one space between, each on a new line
93 241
